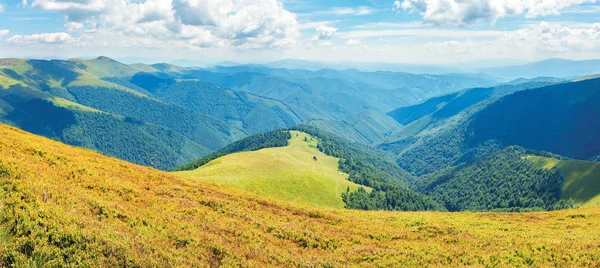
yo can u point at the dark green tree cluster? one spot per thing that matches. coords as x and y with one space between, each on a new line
277 138
372 168
398 198
503 181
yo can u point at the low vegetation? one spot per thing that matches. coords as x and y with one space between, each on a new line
64 206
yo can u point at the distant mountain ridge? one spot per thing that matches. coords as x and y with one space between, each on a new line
552 67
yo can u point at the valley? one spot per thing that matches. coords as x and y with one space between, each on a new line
299 133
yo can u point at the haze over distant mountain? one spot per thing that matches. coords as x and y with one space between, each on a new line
363 66
333 94
552 67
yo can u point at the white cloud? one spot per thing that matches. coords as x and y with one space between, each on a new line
552 38
324 32
547 39
74 26
326 44
75 10
46 38
4 33
421 32
341 11
465 12
1 8
354 42
201 23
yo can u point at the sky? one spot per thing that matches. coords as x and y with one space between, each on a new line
403 31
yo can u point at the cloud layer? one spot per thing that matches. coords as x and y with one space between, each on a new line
197 23
539 39
45 38
465 12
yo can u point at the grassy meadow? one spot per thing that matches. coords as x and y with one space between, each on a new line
289 173
65 206
582 179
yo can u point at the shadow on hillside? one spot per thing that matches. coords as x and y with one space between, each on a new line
31 112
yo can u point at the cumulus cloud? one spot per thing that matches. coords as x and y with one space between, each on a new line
552 37
539 39
324 32
3 33
46 38
200 23
75 10
465 12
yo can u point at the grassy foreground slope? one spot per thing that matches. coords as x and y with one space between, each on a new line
67 206
582 179
289 173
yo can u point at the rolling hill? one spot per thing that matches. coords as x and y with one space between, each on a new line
67 206
147 117
363 165
581 179
290 173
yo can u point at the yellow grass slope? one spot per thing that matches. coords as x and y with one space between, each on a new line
290 173
582 179
62 206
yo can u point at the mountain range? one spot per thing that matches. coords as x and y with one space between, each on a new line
405 140
165 115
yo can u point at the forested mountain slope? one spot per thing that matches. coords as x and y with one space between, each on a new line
581 178
562 119
147 117
369 127
504 180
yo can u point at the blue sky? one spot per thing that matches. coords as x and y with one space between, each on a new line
408 31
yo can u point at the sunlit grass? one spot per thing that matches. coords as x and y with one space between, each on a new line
63 205
298 172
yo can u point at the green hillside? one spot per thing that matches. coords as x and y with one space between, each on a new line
502 181
149 118
582 179
289 173
561 119
368 128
